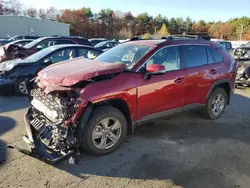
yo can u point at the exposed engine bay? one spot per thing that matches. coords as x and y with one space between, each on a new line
48 120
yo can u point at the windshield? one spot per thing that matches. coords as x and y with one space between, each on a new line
40 54
127 53
13 38
33 43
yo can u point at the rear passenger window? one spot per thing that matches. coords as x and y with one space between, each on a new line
194 56
216 55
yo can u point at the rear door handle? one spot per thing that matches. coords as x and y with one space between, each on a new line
213 71
179 80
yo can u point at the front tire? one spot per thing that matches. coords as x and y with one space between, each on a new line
216 104
20 87
105 131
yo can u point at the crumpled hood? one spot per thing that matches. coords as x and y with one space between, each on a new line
70 72
8 65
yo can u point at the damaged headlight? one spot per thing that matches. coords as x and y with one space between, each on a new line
6 66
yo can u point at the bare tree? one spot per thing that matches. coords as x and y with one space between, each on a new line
42 13
32 12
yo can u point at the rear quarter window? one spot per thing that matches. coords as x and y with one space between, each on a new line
216 55
84 42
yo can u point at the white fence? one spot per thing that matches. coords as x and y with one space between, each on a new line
235 44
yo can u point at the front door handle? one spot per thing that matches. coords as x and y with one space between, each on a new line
179 80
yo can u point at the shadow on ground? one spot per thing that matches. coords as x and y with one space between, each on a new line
6 124
186 149
12 103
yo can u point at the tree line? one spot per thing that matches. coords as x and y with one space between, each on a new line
122 25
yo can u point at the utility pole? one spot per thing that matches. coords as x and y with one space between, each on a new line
241 32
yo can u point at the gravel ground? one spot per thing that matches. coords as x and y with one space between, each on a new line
183 151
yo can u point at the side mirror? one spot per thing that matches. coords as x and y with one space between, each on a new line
154 69
39 47
47 61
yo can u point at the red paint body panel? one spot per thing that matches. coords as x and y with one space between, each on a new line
79 69
160 93
144 97
113 89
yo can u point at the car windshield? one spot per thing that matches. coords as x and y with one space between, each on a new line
100 44
13 38
40 54
33 43
127 53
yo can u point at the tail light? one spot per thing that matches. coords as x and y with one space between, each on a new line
3 58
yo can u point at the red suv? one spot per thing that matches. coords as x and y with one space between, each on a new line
94 104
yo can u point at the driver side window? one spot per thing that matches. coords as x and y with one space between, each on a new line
169 57
62 55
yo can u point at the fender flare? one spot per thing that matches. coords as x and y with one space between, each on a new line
216 83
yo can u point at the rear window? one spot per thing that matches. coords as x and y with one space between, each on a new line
194 55
216 55
64 41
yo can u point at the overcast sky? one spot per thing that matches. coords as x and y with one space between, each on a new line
196 9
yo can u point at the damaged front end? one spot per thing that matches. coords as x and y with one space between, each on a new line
242 53
60 107
52 132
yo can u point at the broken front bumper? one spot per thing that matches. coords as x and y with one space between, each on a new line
38 149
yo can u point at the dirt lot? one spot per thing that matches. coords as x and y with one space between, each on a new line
183 151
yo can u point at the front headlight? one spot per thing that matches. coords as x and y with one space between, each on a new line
8 67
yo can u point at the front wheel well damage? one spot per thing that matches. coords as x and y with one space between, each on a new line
122 106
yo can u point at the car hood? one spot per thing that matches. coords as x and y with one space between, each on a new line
70 72
8 65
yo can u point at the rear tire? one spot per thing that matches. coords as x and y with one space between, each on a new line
20 87
105 131
216 104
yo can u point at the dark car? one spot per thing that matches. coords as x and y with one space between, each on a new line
13 44
19 37
41 43
95 41
97 103
106 45
242 52
13 73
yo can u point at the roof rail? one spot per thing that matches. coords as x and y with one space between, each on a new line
182 37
